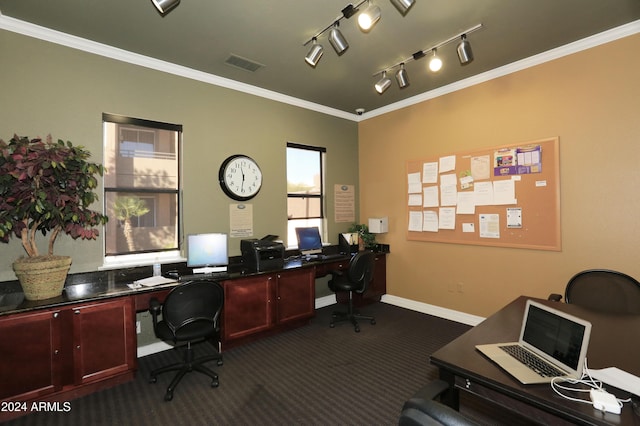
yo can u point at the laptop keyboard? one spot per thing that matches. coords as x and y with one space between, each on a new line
538 365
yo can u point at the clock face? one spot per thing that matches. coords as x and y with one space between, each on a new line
240 177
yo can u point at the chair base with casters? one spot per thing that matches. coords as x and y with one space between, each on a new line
189 364
351 315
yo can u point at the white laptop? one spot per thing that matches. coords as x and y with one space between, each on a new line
547 335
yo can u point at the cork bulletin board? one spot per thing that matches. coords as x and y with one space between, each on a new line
505 196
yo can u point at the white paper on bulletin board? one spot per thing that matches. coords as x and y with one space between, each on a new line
241 220
344 206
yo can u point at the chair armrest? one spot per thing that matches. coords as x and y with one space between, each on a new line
555 297
155 308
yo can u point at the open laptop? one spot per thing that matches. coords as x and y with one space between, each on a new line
547 336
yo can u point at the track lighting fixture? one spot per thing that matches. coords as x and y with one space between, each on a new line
315 53
402 77
435 63
368 18
465 54
337 40
164 6
403 6
383 84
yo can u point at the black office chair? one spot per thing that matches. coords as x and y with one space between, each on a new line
190 313
355 279
423 409
603 290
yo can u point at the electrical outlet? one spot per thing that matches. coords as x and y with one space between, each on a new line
138 327
451 287
460 287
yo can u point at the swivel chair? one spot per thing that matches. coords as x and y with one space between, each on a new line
603 290
423 409
355 279
190 313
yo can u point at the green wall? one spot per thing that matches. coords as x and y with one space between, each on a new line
48 88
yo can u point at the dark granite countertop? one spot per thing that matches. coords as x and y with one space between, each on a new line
90 286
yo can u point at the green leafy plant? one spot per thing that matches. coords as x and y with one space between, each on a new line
47 188
368 239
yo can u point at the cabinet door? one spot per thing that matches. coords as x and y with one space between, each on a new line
248 307
295 293
378 286
104 339
31 355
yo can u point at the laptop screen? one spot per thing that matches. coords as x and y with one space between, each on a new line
556 335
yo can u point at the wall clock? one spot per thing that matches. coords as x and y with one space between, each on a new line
240 177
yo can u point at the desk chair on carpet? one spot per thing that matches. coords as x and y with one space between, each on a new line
603 290
423 409
355 279
190 314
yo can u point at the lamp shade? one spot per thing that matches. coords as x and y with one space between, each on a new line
465 54
369 17
435 63
165 6
337 40
383 84
403 6
315 53
402 77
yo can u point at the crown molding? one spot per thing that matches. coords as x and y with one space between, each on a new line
74 42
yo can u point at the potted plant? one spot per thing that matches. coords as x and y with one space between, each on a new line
367 239
46 188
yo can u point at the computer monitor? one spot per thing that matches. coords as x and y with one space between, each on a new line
348 242
207 253
309 240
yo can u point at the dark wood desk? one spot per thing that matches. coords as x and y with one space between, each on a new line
615 342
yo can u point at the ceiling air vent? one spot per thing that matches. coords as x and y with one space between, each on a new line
243 63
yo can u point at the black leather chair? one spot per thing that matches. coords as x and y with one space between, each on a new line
355 279
603 290
424 410
190 313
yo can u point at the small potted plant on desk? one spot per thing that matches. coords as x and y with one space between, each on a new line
47 188
367 239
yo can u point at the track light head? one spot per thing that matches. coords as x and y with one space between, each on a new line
383 84
465 54
435 63
403 6
368 18
402 77
315 53
164 6
337 40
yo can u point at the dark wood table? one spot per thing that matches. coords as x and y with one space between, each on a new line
615 342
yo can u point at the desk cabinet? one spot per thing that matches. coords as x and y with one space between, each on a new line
264 303
57 350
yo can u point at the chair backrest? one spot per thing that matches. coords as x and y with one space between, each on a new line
604 290
192 309
361 269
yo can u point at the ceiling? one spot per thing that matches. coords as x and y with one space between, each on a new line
202 34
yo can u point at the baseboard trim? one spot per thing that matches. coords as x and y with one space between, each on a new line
325 301
434 310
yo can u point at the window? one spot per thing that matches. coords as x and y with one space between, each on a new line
141 189
305 188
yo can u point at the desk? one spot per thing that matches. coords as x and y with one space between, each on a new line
84 340
615 342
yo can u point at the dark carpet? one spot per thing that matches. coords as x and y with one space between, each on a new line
314 375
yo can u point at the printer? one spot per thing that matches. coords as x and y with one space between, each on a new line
262 255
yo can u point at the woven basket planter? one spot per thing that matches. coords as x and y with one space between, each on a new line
42 277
